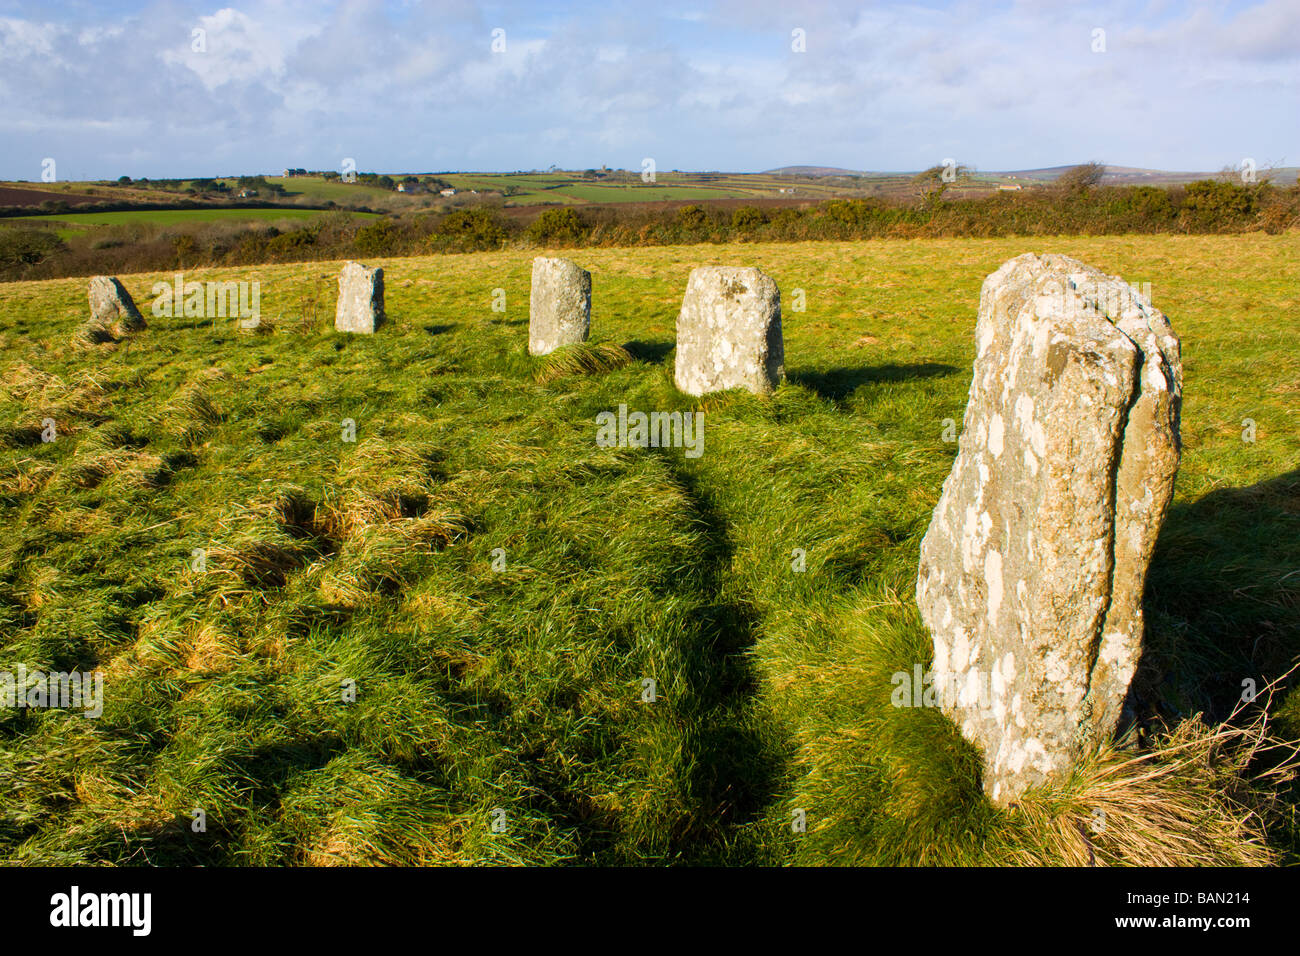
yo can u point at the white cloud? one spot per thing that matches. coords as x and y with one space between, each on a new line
24 39
236 47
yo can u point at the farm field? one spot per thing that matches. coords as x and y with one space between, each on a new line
567 188
641 192
75 193
497 589
319 190
530 189
564 188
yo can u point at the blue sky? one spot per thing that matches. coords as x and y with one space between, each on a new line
109 89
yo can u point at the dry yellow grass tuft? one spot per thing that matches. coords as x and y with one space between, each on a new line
583 359
346 843
1203 796
136 469
374 559
213 650
25 477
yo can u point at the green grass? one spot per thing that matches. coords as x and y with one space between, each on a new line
318 189
639 192
174 216
518 686
528 189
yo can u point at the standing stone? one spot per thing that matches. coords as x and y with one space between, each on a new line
559 306
729 332
112 309
361 299
1032 570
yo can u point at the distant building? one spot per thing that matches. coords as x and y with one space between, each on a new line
447 192
1009 186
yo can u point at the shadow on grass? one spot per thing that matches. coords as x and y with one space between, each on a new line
652 353
438 329
731 770
174 843
1223 599
837 384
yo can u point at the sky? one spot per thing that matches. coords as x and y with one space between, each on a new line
181 89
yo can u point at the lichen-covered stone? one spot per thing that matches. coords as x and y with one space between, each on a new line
729 332
112 310
559 306
1032 570
361 299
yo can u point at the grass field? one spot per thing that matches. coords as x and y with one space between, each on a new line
641 192
319 190
498 589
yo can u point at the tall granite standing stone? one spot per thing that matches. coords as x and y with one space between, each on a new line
1032 570
111 307
729 332
361 299
559 305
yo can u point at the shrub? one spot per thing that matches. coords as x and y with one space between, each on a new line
185 248
854 213
381 238
1278 216
747 217
471 230
692 217
290 242
1213 205
1150 203
557 225
21 248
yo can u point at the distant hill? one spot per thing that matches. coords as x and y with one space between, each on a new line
812 171
1115 175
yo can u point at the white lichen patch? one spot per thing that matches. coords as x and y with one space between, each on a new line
940 656
993 579
960 651
1117 650
1009 666
1031 461
1055 667
995 435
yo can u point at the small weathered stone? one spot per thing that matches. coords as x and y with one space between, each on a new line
559 305
1032 571
112 310
729 332
361 299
